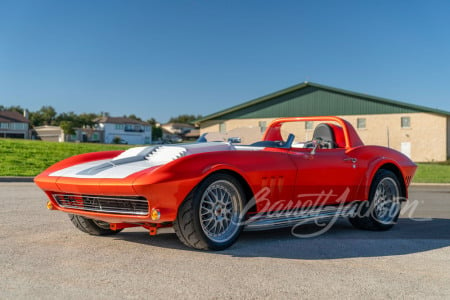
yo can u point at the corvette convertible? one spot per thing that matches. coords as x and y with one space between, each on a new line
304 169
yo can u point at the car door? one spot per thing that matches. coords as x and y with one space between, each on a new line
326 177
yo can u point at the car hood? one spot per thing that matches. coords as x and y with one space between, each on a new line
137 159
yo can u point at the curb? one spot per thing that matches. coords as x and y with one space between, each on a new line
429 184
16 179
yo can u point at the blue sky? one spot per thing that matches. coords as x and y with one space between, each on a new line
164 58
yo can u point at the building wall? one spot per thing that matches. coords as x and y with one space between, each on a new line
423 138
247 129
448 137
86 135
425 134
50 133
131 137
15 134
14 130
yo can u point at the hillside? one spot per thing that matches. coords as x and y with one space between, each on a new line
29 158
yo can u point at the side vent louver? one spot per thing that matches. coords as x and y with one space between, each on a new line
408 180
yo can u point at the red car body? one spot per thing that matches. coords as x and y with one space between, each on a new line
156 189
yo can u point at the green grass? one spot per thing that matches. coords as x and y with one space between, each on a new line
29 158
433 173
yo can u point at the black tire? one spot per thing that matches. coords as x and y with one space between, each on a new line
209 218
382 209
91 226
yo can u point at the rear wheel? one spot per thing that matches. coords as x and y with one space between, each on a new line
209 218
382 209
91 226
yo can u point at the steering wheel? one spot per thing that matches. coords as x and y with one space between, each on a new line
318 141
315 143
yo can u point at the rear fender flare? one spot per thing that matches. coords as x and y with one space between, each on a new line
373 167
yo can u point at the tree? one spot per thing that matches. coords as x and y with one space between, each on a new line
156 129
184 118
36 119
45 116
156 132
116 140
67 127
16 108
48 114
86 119
134 117
66 117
152 122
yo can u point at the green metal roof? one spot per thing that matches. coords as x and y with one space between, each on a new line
312 99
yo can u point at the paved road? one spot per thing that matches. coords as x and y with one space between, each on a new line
43 256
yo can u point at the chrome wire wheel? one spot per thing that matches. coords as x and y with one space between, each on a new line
386 201
220 207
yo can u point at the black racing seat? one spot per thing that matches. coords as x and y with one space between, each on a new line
325 134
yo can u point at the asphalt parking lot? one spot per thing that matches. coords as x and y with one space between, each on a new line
43 256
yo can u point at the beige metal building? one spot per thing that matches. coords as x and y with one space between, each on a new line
420 132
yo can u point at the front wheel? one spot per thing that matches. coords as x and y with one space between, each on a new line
91 226
209 218
382 210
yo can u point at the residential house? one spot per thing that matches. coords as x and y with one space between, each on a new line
193 135
87 135
14 125
176 132
56 134
49 133
124 130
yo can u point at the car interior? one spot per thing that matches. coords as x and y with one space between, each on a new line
325 136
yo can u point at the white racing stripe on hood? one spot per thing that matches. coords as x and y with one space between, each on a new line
137 159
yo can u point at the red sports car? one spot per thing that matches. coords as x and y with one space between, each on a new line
209 192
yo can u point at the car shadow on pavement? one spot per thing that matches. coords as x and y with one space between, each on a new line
341 241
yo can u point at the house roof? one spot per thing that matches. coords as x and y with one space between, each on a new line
12 117
47 127
195 133
306 84
119 120
178 125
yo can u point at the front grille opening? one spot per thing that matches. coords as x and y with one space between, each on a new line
108 204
